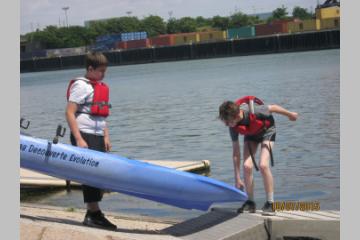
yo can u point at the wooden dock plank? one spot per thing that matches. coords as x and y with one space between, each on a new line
182 165
32 178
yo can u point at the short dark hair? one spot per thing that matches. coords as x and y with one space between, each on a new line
95 60
228 111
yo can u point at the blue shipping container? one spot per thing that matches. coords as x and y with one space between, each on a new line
137 36
143 35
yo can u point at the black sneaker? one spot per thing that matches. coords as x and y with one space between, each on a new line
97 219
248 206
268 209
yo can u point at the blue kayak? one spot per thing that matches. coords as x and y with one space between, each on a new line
116 173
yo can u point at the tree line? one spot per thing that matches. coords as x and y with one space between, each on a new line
76 36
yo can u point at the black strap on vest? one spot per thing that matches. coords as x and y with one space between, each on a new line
253 158
101 104
271 154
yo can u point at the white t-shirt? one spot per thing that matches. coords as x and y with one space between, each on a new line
82 92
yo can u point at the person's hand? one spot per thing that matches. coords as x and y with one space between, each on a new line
239 184
107 144
293 116
81 143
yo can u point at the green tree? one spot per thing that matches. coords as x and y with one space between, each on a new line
123 24
280 13
240 19
76 36
302 13
220 22
98 27
153 25
187 24
172 26
202 22
64 37
48 37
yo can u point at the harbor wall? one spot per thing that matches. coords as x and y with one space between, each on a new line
278 43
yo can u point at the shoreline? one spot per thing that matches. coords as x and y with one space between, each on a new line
278 43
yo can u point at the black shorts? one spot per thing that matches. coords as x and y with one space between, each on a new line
95 142
260 138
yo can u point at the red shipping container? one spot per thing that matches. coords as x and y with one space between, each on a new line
163 40
143 43
121 45
269 29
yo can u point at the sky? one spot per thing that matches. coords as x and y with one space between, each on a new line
41 13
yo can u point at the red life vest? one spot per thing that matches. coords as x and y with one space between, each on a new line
256 125
100 105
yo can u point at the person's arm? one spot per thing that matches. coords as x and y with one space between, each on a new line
71 109
280 110
236 160
107 139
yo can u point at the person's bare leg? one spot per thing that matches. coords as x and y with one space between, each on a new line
248 168
267 178
265 168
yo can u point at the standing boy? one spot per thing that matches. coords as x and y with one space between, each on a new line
248 116
86 112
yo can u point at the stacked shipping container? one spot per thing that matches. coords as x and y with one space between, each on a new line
275 27
186 38
304 26
108 42
133 36
142 43
242 32
163 40
212 36
329 12
329 23
268 29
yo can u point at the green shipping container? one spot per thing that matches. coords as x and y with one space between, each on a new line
242 32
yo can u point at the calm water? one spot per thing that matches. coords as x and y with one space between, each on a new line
169 110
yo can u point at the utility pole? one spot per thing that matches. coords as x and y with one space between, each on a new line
65 10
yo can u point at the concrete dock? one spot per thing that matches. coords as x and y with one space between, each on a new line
30 178
51 223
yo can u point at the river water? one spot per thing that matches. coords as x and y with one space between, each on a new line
169 111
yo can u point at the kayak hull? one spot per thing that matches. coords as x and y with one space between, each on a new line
116 173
